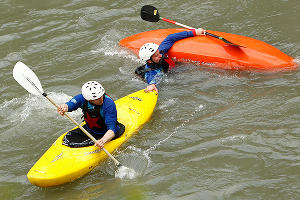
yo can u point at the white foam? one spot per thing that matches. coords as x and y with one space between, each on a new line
125 173
199 108
233 139
167 103
116 51
108 45
297 61
19 109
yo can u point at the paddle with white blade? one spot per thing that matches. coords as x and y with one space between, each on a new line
30 82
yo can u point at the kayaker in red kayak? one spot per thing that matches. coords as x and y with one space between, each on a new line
100 115
156 59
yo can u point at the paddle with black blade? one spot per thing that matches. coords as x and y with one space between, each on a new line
30 82
150 13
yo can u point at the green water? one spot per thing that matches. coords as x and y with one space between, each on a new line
214 135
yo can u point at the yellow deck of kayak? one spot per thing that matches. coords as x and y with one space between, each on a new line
61 164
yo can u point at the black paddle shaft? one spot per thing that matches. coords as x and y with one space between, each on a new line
223 39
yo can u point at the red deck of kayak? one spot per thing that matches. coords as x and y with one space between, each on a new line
209 51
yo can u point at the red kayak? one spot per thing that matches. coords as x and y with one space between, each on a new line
208 51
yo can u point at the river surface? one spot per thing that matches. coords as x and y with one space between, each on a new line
214 134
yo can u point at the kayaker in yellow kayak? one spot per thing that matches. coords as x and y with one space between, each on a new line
100 115
156 60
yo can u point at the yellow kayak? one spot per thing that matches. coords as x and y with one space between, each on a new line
61 164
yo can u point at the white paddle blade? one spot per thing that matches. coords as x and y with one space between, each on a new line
27 79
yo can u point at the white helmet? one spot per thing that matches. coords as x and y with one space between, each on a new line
147 50
92 90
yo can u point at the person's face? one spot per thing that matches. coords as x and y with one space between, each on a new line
156 57
97 102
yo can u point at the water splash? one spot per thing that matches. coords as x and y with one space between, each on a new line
125 173
18 110
109 47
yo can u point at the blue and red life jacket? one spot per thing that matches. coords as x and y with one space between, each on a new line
93 117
